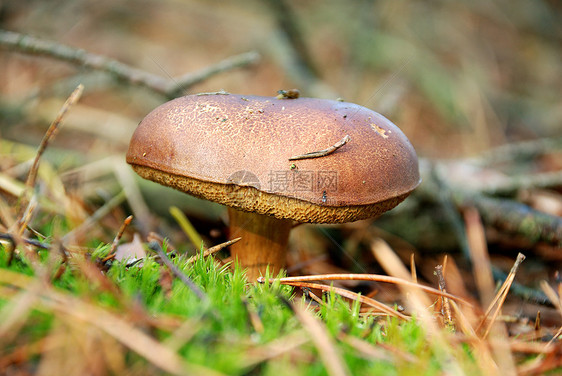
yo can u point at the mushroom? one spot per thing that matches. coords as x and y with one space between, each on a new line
347 163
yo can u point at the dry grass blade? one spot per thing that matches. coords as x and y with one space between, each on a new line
482 271
126 223
187 227
182 334
413 268
126 177
309 294
392 265
368 350
333 361
14 315
127 334
479 253
419 303
95 276
482 353
366 277
275 348
32 242
552 296
500 296
25 215
11 186
549 358
51 132
98 214
555 337
7 219
113 325
351 295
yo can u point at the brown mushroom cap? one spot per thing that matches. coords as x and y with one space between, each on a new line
235 150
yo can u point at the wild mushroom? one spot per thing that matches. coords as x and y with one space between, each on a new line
235 150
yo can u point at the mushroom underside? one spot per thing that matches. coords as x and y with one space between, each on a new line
250 199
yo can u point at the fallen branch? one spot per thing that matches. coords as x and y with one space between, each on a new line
525 150
514 218
504 214
513 184
168 87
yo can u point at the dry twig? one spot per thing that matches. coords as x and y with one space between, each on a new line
322 153
111 254
169 88
212 250
335 366
51 133
25 215
178 273
444 300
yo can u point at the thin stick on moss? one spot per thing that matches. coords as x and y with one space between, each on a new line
175 270
126 223
212 250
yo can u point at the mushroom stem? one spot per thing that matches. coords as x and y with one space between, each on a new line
264 242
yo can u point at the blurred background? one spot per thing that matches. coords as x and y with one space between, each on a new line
460 78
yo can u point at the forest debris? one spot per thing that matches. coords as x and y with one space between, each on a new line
131 251
212 250
324 152
24 215
288 94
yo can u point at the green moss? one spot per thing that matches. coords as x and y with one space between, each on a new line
220 332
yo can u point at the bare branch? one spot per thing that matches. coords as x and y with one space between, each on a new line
184 82
134 76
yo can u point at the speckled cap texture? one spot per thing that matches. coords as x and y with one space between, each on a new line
235 150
